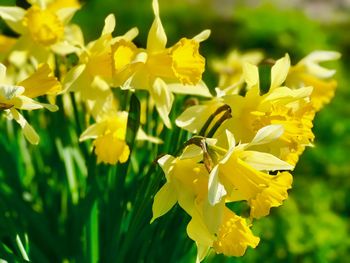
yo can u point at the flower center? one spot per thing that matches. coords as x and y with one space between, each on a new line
123 52
44 26
188 65
234 236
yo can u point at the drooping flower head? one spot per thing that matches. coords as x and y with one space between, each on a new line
211 226
206 176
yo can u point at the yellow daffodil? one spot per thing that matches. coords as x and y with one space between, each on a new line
211 226
42 28
232 237
109 137
20 97
202 188
281 105
162 70
230 70
243 172
308 72
94 73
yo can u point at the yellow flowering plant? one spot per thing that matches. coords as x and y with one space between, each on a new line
94 184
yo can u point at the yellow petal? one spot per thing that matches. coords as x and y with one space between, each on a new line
66 14
163 100
40 83
164 200
109 149
197 231
202 36
13 17
216 191
93 131
279 72
271 196
156 39
264 161
200 89
188 65
234 236
25 103
267 134
312 61
28 130
251 75
71 78
109 25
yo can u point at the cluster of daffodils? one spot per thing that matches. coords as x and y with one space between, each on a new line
244 144
45 34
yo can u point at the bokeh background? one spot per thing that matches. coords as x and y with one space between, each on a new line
313 225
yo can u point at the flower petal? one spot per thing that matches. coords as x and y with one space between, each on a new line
267 134
264 161
280 71
200 89
28 130
109 25
164 200
216 191
156 39
92 131
66 14
163 100
13 17
251 75
202 36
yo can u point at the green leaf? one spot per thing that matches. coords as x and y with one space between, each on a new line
133 120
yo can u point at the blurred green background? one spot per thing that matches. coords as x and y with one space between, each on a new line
313 225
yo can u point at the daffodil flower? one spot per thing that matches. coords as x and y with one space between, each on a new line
308 72
238 173
280 105
92 77
20 97
42 28
242 174
232 237
161 70
109 138
211 226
